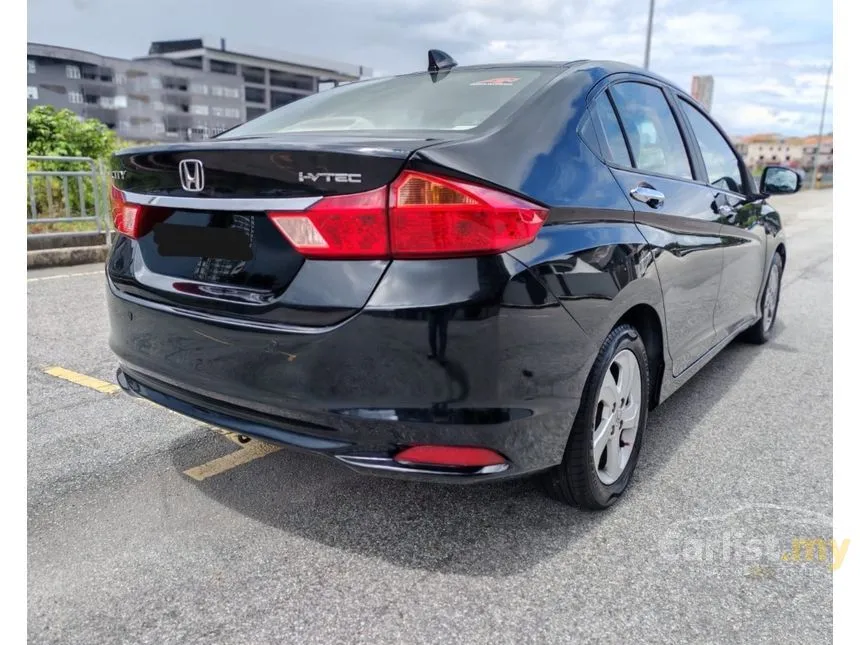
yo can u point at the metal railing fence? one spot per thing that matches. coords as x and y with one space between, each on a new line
70 191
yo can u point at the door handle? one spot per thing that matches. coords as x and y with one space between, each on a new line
647 195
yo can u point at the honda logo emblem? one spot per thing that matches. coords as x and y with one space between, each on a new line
191 175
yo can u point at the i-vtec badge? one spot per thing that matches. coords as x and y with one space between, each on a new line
328 177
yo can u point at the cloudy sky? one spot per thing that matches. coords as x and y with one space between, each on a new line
769 58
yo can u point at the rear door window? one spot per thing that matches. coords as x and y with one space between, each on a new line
651 130
460 100
610 131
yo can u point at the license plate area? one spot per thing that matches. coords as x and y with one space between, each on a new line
240 249
182 240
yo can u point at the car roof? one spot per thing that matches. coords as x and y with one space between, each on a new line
607 67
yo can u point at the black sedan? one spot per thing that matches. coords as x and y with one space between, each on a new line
458 275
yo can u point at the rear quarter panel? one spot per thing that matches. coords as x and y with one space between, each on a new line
590 254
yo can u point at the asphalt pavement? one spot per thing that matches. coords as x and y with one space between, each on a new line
147 527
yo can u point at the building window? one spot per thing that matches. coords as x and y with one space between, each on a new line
155 83
120 101
159 127
283 98
158 106
217 90
32 93
202 110
255 95
199 88
773 158
788 157
296 81
76 97
254 112
73 71
119 79
232 113
221 66
124 125
31 66
106 102
231 92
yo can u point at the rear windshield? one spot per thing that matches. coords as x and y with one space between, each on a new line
462 100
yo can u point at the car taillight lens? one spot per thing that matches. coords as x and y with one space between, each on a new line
341 226
420 216
435 217
127 218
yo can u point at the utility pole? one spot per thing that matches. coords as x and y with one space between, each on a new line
821 128
648 34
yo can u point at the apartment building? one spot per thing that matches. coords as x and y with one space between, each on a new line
146 100
763 149
825 155
183 90
270 79
760 150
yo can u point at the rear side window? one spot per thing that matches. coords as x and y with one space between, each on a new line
613 138
462 100
721 163
651 130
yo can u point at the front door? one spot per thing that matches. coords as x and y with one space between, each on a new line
744 237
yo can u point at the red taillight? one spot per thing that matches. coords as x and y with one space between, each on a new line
342 226
127 218
453 456
435 217
421 216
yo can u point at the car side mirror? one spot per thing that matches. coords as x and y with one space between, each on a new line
779 180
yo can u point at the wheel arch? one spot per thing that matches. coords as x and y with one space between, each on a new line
780 248
645 319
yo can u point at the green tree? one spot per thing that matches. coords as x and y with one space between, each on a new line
52 132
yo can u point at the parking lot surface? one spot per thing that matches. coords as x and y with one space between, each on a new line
148 527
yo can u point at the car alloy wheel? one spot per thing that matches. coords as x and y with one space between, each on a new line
771 296
617 417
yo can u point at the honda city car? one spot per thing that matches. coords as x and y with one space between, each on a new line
458 275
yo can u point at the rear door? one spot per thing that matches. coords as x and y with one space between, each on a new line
744 237
652 163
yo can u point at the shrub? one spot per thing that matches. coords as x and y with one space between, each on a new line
60 133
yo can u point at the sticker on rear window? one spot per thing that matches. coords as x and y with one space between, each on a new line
505 80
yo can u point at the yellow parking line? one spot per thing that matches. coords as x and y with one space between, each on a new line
83 379
251 451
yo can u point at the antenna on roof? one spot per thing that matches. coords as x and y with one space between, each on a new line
439 64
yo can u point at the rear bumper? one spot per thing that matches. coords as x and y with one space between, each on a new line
350 453
509 378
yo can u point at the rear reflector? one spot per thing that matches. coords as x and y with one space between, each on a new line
420 216
454 456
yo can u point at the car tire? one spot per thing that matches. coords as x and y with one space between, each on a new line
761 332
590 477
